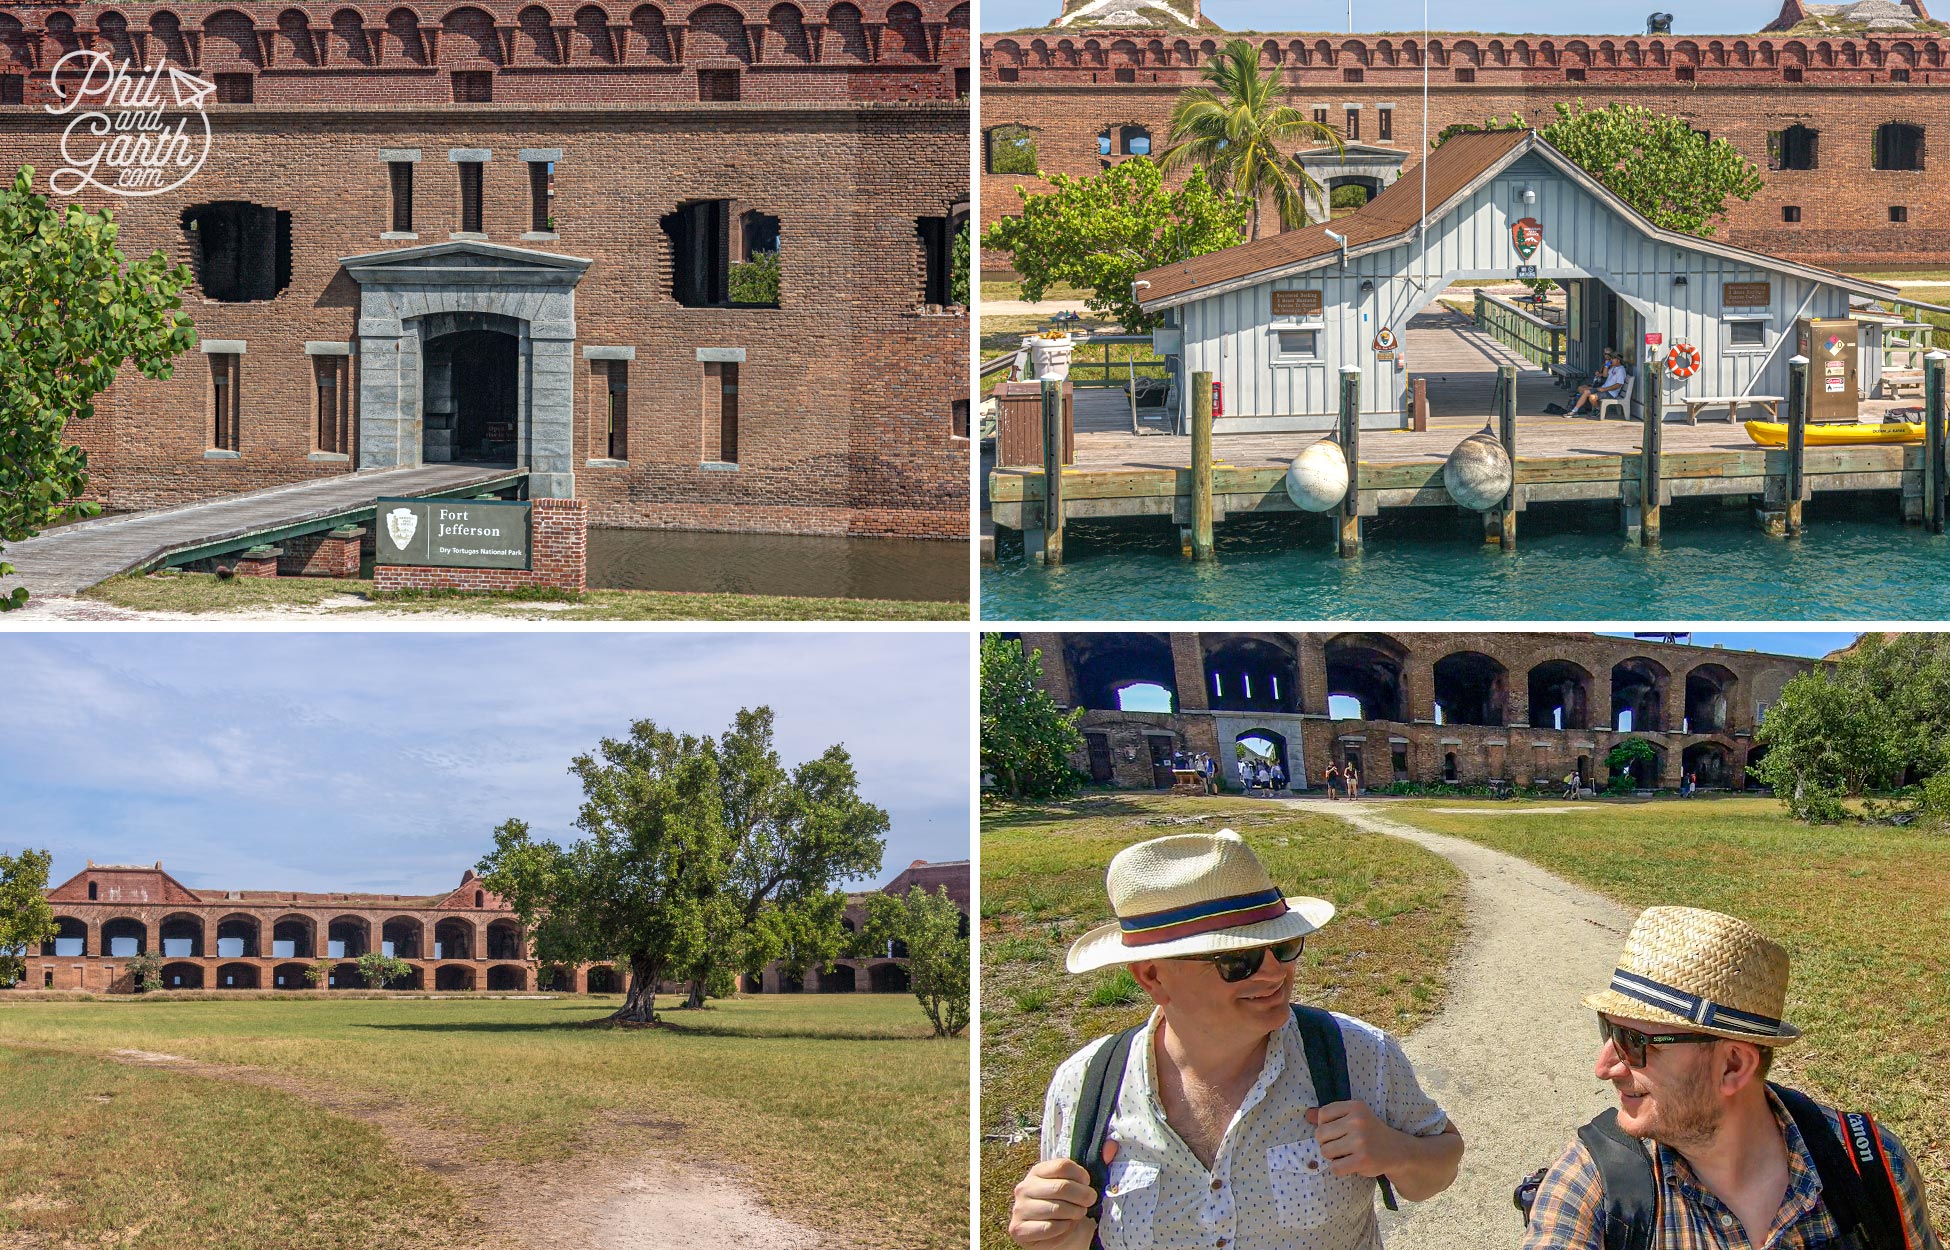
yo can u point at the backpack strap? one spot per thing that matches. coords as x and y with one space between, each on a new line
1320 1035
1103 1080
1857 1185
1631 1187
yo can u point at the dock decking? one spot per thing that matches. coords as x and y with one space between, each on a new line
70 559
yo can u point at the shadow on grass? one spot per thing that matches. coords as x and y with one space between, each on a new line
1006 813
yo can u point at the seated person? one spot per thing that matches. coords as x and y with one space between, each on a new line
1611 388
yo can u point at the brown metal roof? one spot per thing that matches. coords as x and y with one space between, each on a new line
1451 167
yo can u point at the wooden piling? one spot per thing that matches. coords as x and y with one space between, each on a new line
1052 471
1419 405
1350 536
1798 401
1651 449
1934 474
1202 466
1507 432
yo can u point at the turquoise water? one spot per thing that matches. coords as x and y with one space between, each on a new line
1855 561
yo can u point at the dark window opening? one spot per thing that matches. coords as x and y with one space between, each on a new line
223 401
13 89
1353 127
1125 75
334 403
239 251
1898 213
236 88
1790 73
1466 75
958 418
1351 75
1898 75
717 85
961 83
541 196
1797 147
93 888
402 176
1899 146
480 898
616 408
470 197
1134 140
1385 125
938 256
705 271
1103 142
1008 73
473 86
1683 73
720 412
1574 75
1790 212
1320 117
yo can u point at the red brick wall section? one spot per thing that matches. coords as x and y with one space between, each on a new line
558 557
334 554
1742 89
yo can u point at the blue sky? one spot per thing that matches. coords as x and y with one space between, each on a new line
1586 17
383 761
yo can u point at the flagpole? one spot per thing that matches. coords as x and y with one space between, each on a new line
1423 231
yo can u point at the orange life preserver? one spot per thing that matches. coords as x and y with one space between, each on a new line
1683 360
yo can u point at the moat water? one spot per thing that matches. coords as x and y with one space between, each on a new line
1855 561
779 564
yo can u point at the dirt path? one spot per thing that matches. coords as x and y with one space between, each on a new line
603 1196
1510 1054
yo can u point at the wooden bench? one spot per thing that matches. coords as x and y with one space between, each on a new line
1565 375
1732 404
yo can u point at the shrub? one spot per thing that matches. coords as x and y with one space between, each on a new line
145 972
757 280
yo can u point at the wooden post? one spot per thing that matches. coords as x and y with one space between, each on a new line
1507 433
1350 539
1201 466
1052 471
1933 441
1651 448
1420 405
1798 400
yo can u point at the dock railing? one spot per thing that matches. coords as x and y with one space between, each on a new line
1090 366
1535 339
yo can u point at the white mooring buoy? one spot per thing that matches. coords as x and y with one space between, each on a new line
1477 472
1316 479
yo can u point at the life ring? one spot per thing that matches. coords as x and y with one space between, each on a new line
1683 360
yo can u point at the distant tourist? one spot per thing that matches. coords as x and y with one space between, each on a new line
1333 779
1205 1125
1279 776
1351 780
1570 785
1703 1152
1611 388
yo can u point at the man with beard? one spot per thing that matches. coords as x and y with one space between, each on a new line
1219 1133
1702 1153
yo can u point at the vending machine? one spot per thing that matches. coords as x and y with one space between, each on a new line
1830 346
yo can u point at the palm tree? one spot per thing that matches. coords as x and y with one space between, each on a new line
1236 127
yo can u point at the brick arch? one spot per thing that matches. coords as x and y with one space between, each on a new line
717 33
788 29
403 25
535 36
467 37
114 28
904 42
294 39
173 921
308 948
349 42
589 37
647 20
60 27
230 38
846 38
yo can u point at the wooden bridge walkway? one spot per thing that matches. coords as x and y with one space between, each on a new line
70 559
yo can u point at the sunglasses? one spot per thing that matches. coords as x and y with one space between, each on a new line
1631 1043
1236 966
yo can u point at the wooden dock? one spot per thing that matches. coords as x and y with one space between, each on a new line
70 559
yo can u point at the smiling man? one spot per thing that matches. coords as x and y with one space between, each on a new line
1702 1153
1232 1119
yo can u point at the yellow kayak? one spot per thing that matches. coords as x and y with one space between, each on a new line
1835 434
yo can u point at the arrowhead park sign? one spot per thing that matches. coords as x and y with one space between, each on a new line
453 533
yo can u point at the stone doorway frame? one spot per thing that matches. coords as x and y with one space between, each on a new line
407 295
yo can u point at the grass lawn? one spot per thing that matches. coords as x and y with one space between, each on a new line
1051 294
1400 915
202 592
1863 910
841 1109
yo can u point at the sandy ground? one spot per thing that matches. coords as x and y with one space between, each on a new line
604 1196
1510 1055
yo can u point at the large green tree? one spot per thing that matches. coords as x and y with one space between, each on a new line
73 311
26 921
935 933
1027 740
642 885
792 835
1674 175
1101 232
1237 130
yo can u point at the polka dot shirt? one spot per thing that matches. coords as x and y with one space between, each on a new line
1268 1187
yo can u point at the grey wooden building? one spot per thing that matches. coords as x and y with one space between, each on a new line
1276 320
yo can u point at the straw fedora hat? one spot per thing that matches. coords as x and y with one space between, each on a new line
1704 972
1192 894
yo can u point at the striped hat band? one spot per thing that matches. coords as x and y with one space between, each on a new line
1701 1011
1209 916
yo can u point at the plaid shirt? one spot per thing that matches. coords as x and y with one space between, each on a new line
1569 1211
